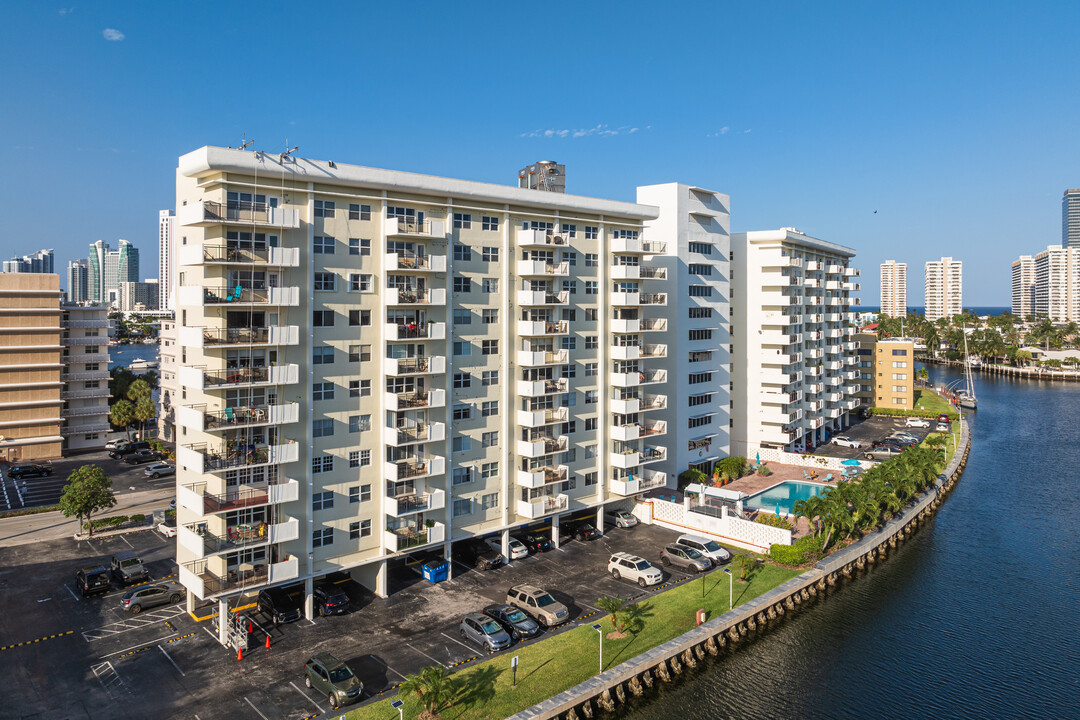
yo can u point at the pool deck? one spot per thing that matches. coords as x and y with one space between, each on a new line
753 484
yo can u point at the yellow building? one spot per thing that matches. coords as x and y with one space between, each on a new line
894 371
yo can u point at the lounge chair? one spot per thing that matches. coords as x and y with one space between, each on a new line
828 477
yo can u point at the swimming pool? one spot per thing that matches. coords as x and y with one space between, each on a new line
784 495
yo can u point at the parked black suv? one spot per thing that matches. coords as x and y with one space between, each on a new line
330 599
536 542
282 604
478 554
141 456
29 470
126 449
92 580
580 530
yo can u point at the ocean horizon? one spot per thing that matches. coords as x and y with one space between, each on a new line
977 309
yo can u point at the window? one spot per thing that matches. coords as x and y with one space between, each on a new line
570 258
899 376
324 208
591 397
322 428
591 342
699 399
699 421
322 356
898 401
700 291
899 364
322 463
592 260
899 352
700 312
590 314
591 287
462 252
325 281
462 380
360 282
701 356
463 221
354 459
489 222
322 538
354 246
462 411
461 475
361 529
703 270
568 343
489 377
567 371
592 232
359 353
360 246
700 248
462 316
322 318
489 347
624 234
364 459
489 501
323 245
696 378
462 506
490 254
590 452
359 317
490 285
354 388
359 423
462 284
592 369
489 439
701 334
489 408
569 314
462 348
590 478
322 500
590 424
898 388
322 391
490 317
489 470
570 286
537 225
461 443
359 212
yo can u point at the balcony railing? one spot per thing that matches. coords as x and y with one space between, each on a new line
203 542
418 433
275 335
221 295
194 497
407 262
245 212
436 296
412 400
289 257
411 536
653 299
215 459
204 583
276 374
653 273
654 324
543 505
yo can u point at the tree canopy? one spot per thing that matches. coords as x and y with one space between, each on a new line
88 490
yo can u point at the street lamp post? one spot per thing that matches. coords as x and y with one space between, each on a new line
397 705
731 589
599 629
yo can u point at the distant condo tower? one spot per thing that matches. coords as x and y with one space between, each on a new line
894 288
1023 286
1070 218
1057 283
944 288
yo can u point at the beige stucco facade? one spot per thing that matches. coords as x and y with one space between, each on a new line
894 374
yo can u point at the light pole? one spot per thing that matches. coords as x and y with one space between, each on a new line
599 629
731 589
397 705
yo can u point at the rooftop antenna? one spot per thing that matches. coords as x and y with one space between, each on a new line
244 142
287 153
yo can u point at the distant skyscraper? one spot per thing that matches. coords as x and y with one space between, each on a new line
121 265
39 262
96 272
78 281
1023 286
166 259
1070 218
1057 283
944 288
894 288
135 296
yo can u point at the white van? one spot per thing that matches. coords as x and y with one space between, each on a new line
709 548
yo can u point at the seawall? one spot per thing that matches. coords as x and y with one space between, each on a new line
664 663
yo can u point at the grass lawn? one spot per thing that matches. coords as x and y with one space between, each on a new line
555 664
930 402
950 443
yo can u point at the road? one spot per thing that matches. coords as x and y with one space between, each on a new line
27 529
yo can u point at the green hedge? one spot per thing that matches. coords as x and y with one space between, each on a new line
896 412
773 521
29 511
804 551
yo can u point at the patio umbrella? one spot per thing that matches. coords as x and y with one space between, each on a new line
850 461
757 456
778 510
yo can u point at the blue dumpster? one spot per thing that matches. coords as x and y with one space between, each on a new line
435 570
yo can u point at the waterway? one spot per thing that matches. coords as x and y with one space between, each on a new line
974 617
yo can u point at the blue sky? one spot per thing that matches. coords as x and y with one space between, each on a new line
955 121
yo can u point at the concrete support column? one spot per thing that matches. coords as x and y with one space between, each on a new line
223 618
309 599
554 531
446 552
600 518
189 602
506 544
381 583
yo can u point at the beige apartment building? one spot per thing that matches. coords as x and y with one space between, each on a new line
894 289
370 362
894 374
944 288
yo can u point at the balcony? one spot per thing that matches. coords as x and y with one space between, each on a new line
206 254
851 272
398 367
637 246
540 328
653 273
238 296
639 482
654 299
406 538
625 299
654 325
542 446
80 358
540 268
632 458
198 579
86 375
539 298
849 403
435 297
543 505
539 388
626 406
202 458
414 468
625 272
102 324
206 213
772 377
414 331
195 417
202 543
413 228
629 327
415 503
539 358
653 402
69 430
417 433
201 379
541 239
540 418
633 379
635 431
207 337
69 412
411 262
83 393
396 402
196 499
625 352
542 476
72 341
653 351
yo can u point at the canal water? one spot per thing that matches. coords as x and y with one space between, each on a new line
976 616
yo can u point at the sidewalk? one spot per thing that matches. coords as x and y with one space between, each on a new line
27 529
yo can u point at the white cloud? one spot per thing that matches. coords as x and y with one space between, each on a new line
112 35
66 11
722 131
746 132
601 129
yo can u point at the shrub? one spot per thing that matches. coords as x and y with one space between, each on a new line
29 511
804 551
773 521
896 412
109 522
138 518
764 471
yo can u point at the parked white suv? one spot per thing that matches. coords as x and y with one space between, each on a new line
634 568
917 422
709 548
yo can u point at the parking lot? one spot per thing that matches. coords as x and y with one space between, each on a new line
93 660
35 492
866 433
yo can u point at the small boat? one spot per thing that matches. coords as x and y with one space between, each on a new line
966 397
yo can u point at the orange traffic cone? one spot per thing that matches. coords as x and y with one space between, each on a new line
268 641
251 627
239 654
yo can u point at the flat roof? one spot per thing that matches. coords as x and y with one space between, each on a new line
794 236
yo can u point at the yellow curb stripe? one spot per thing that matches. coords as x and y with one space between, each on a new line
36 640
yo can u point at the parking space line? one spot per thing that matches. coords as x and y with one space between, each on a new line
72 592
128 542
255 709
134 622
182 674
394 671
306 696
470 649
140 645
425 655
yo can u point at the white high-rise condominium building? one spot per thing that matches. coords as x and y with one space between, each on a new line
794 361
693 226
78 276
140 296
371 362
1070 218
1057 283
944 288
166 260
894 289
1023 286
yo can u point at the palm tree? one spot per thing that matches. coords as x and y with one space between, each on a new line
613 605
122 414
433 688
812 509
